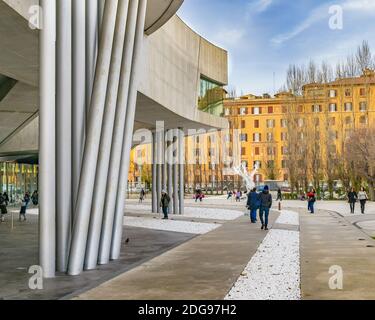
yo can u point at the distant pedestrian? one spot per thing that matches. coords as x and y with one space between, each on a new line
253 202
363 198
3 207
164 204
6 197
35 198
23 209
142 195
311 199
265 199
238 196
352 199
27 198
230 194
279 195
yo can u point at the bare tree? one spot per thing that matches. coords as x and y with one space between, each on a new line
360 156
364 56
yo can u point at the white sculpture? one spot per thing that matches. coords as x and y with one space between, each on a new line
248 177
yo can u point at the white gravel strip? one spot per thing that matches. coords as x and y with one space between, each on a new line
171 225
289 218
274 271
197 212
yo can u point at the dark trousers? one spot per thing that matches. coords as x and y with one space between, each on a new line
352 207
311 206
363 206
165 211
264 214
253 215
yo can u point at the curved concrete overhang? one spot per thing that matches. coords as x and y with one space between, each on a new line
159 12
176 58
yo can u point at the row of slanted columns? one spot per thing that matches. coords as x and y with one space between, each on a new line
86 127
168 169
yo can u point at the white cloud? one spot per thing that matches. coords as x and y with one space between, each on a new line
229 37
262 5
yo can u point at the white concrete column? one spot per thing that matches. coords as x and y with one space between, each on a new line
97 207
128 133
63 131
159 171
92 36
47 143
78 91
154 175
181 163
175 177
170 168
118 135
89 163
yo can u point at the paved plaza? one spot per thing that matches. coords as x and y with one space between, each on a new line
218 256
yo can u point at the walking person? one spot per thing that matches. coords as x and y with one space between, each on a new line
363 198
311 199
352 197
6 197
23 209
34 198
265 199
164 203
279 195
3 207
253 204
230 194
142 195
238 196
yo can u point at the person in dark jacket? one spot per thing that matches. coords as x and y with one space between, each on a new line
352 197
265 205
3 207
253 204
311 199
164 203
279 195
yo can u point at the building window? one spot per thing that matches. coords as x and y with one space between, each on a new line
363 106
270 164
270 137
363 120
284 123
271 151
348 120
316 108
256 124
245 164
256 110
284 136
284 164
258 178
300 109
243 137
362 92
332 121
301 122
348 107
258 164
243 124
348 93
227 112
243 151
284 109
317 122
270 110
257 151
333 135
332 93
243 111
257 137
271 123
333 107
284 151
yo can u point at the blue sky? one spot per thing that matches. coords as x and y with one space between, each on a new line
264 36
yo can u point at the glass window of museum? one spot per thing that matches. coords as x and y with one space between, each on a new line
211 97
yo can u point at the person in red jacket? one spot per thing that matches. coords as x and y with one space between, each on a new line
311 199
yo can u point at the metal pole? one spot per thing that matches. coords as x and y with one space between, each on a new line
106 139
154 175
63 131
175 176
78 91
89 163
92 34
128 133
47 87
181 161
118 136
